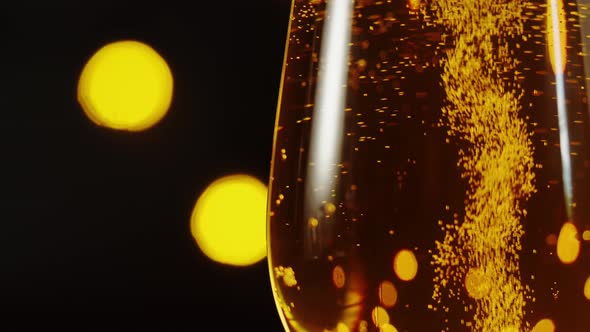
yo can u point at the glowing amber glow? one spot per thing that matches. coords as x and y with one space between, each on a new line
341 327
482 116
544 325
414 4
568 244
338 277
510 329
313 222
229 220
553 49
405 265
380 316
387 294
329 209
586 235
551 240
125 85
587 288
387 328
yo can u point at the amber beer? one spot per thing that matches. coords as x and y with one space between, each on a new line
431 167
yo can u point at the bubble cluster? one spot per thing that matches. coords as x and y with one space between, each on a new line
496 161
287 274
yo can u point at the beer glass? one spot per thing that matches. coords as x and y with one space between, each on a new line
431 167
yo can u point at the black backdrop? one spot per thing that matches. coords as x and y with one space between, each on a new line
94 223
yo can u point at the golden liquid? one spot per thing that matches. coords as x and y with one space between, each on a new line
441 182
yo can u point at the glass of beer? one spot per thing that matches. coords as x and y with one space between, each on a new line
431 167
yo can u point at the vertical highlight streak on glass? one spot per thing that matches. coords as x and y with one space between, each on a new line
324 151
496 159
557 51
556 22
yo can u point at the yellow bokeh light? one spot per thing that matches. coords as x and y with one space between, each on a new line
380 316
387 294
363 326
477 283
125 85
586 235
341 327
313 222
568 244
405 265
329 209
544 325
587 288
229 220
387 328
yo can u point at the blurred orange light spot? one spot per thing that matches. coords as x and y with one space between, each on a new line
387 294
338 277
551 239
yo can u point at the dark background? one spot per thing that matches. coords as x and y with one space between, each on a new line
94 231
